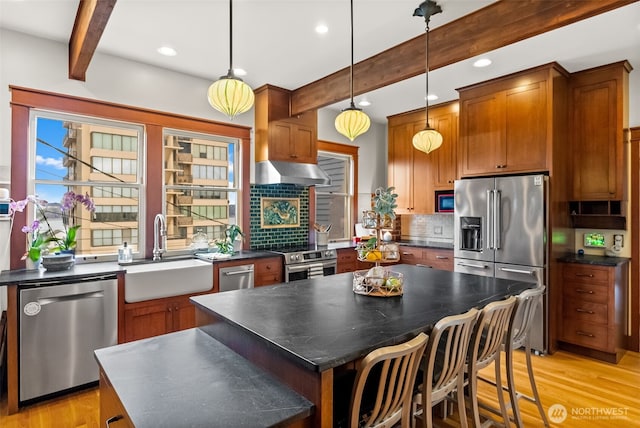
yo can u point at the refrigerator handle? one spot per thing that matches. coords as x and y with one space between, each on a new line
489 226
497 219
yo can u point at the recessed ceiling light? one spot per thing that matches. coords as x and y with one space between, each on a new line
321 29
239 72
431 97
167 51
482 62
364 103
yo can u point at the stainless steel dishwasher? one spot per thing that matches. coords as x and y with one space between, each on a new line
235 277
61 324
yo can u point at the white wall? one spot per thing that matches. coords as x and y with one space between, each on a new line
43 64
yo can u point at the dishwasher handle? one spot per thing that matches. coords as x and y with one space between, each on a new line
238 272
71 297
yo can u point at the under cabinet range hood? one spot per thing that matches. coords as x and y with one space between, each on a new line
277 172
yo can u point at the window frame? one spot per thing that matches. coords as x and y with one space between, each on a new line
352 152
23 100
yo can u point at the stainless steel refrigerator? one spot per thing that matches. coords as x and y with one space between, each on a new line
500 230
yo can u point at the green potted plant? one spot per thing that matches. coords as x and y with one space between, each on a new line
233 234
384 205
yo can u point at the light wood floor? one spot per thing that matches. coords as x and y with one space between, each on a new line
581 385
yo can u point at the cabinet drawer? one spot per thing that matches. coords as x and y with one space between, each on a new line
585 274
586 292
439 259
590 335
346 256
269 268
583 311
411 255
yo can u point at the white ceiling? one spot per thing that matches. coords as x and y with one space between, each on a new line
275 41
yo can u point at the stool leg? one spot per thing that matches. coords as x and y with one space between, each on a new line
534 389
503 407
461 407
513 395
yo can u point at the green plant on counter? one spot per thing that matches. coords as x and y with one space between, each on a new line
232 234
384 202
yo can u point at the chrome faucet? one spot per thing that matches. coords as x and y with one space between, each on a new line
159 234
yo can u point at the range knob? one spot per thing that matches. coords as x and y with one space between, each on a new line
328 253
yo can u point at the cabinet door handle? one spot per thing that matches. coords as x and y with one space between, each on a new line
586 275
293 156
113 419
582 333
501 166
584 311
424 266
442 257
407 254
170 309
579 290
268 267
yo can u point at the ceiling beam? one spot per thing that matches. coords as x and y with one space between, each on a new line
91 20
492 27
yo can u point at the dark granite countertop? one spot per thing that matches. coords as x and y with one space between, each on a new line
188 379
240 255
589 259
320 323
78 271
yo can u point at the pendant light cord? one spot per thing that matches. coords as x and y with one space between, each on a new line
231 37
426 72
351 73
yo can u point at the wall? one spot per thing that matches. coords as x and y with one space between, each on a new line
42 64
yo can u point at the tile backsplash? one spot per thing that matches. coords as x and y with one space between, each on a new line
264 239
435 227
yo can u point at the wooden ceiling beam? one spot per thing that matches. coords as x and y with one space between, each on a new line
91 20
492 27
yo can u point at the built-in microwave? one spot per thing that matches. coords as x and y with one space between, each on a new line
444 201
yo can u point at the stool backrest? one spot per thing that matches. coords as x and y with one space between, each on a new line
528 302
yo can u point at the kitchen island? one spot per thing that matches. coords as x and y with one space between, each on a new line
303 331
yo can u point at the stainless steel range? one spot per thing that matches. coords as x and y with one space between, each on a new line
307 262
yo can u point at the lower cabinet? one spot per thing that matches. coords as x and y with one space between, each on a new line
268 271
436 258
593 308
348 261
112 413
158 316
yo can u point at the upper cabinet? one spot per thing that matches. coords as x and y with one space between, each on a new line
280 137
507 125
598 107
415 174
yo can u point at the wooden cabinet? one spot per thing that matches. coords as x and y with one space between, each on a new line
415 174
157 316
593 308
507 125
268 271
348 261
437 258
280 137
599 120
112 412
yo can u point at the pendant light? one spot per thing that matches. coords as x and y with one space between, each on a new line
428 139
229 94
352 121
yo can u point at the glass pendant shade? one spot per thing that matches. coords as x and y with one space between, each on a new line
230 96
352 122
427 140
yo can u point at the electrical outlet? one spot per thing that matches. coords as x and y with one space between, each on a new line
620 238
437 230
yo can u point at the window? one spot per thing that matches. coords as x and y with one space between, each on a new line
88 156
200 188
334 203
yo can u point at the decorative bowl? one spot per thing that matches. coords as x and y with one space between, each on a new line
57 262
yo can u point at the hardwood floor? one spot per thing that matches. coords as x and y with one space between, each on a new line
582 385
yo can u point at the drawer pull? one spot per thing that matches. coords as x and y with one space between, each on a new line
584 311
113 419
407 254
442 257
580 290
588 275
582 333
